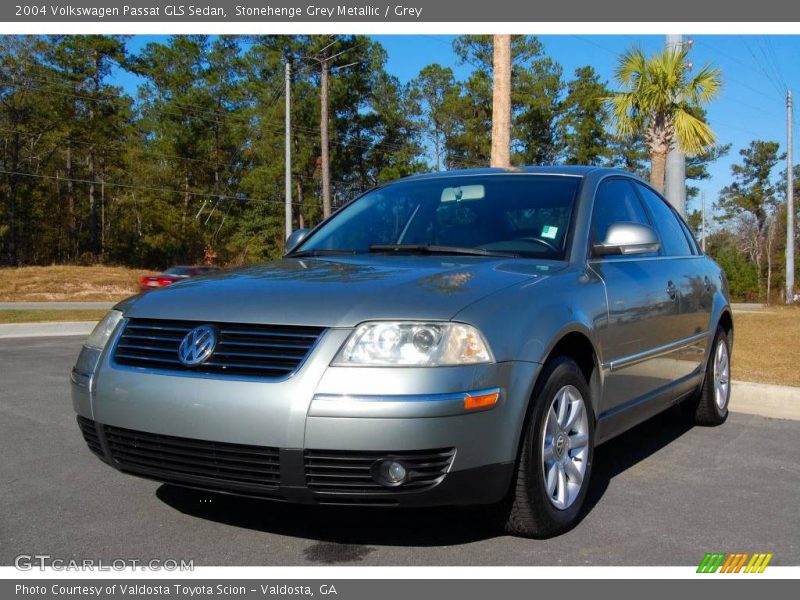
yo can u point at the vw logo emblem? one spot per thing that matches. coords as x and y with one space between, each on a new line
197 345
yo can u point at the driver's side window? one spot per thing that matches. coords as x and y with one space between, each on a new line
616 201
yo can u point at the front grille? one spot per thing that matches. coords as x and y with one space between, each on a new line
214 465
89 432
269 351
346 472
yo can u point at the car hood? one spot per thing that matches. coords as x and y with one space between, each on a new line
339 291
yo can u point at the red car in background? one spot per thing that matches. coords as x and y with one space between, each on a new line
170 276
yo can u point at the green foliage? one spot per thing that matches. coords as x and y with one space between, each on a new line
753 191
433 96
586 139
658 93
661 98
629 154
695 222
750 204
193 165
697 167
537 86
742 273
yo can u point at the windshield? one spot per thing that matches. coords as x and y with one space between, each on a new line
522 215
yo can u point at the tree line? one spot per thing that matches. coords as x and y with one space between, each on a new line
189 167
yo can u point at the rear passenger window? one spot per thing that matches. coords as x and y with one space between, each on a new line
616 202
668 225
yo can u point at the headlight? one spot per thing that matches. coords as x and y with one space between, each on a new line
406 344
94 344
102 332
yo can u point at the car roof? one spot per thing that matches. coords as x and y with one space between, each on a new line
571 170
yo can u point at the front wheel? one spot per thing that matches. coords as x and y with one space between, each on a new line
710 404
556 457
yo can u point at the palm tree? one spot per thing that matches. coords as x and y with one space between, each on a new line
660 97
501 102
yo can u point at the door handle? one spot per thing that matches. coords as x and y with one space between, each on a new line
672 290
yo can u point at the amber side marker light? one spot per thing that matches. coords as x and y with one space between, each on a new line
480 401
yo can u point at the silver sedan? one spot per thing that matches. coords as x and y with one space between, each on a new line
458 338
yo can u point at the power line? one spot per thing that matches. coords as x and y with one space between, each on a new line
774 61
202 113
770 97
718 50
743 130
774 77
595 44
240 118
139 152
755 108
142 187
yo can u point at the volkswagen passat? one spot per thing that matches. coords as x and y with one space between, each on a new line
457 338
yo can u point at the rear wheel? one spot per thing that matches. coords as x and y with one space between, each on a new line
556 456
710 404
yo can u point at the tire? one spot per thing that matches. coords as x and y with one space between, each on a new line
530 510
709 406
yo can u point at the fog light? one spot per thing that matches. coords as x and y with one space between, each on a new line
397 472
389 472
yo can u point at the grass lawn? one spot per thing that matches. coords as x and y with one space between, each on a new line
766 345
68 283
48 314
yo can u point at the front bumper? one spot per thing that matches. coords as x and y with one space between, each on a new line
292 475
357 414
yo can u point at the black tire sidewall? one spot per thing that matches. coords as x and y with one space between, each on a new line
719 338
561 372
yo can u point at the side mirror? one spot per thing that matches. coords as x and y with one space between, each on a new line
294 239
626 239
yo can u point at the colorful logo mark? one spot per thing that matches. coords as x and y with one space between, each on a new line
737 562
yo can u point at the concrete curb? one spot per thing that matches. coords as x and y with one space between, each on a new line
65 328
766 400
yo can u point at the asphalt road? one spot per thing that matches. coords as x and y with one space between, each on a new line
661 494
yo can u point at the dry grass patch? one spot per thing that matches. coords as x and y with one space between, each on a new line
68 283
765 347
48 315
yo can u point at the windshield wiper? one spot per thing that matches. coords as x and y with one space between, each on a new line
323 252
434 249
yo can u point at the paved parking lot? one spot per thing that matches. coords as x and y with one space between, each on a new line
661 494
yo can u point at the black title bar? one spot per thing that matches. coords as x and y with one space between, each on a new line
352 11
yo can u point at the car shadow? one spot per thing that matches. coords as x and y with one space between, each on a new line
632 447
348 530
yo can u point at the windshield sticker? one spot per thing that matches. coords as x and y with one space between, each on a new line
549 232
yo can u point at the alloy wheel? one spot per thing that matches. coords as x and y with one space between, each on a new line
565 447
722 370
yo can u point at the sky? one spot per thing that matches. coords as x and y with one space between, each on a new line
756 71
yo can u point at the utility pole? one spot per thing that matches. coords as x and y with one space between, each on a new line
288 150
789 203
324 84
675 179
501 102
90 161
703 217
325 60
